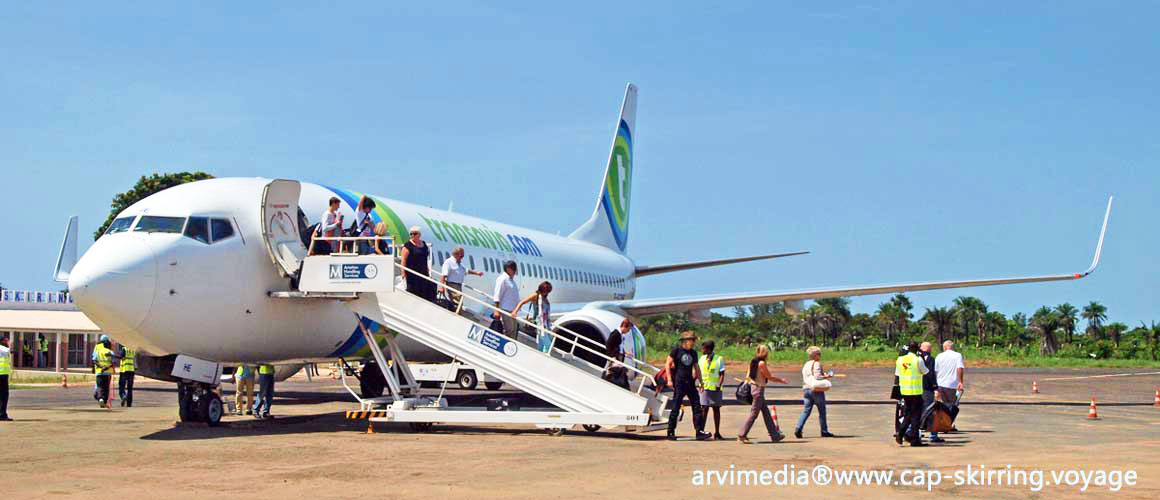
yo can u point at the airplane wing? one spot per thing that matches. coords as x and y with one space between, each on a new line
645 307
649 270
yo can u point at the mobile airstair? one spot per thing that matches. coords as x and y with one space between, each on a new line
369 286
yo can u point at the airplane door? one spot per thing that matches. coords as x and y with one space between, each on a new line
280 225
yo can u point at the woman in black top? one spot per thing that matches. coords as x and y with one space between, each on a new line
415 253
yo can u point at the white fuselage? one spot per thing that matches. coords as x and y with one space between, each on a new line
169 293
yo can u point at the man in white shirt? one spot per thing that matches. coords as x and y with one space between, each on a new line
329 225
453 274
949 367
507 295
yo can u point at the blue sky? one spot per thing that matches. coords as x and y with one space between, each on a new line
897 142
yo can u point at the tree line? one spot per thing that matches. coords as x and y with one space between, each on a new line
1049 330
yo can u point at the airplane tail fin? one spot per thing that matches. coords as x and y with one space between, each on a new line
608 225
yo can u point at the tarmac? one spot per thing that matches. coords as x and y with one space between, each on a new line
62 446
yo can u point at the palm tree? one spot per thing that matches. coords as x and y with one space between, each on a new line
996 323
887 317
938 321
1046 322
1095 313
1152 334
1067 318
812 319
1116 330
967 309
902 303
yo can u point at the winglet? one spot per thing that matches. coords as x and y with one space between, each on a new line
68 252
1100 244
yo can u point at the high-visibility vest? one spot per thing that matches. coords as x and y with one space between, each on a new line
243 372
5 362
711 372
43 344
909 375
104 357
265 369
129 362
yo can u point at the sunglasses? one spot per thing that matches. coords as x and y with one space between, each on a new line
415 232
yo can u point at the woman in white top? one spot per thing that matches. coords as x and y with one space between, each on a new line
811 372
757 377
541 313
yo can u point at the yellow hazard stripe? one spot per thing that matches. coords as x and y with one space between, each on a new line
366 414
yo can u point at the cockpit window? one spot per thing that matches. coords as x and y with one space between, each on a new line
222 229
158 224
198 229
120 225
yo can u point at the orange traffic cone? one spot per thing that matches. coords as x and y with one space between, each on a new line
1034 387
773 408
1092 411
1156 402
64 382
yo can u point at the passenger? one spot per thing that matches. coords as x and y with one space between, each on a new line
929 385
950 368
811 372
266 391
506 296
712 373
364 225
103 365
541 313
329 226
244 390
757 376
383 244
683 376
614 370
415 271
454 273
5 372
909 369
128 374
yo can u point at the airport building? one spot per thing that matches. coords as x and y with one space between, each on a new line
27 317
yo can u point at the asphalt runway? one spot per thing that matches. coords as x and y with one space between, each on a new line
310 449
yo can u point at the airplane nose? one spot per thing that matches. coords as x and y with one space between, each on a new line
114 282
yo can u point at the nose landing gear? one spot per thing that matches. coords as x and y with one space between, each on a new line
198 402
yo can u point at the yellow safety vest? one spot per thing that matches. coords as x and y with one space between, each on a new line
6 363
909 375
129 362
104 364
43 345
265 369
711 372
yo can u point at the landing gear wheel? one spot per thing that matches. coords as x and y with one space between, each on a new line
371 382
493 386
210 410
421 426
466 379
186 409
591 427
556 432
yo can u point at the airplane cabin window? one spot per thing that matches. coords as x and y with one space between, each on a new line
158 224
221 229
471 262
198 229
120 225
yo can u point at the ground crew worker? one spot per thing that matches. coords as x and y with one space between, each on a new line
712 374
5 372
128 373
244 390
103 366
43 351
266 388
909 369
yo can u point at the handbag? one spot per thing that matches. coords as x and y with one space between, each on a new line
817 385
744 393
497 325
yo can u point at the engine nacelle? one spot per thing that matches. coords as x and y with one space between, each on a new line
595 325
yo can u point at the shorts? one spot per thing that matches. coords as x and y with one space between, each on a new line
712 398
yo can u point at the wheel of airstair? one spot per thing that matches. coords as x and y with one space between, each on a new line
591 427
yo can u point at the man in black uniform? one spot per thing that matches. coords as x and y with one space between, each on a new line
684 377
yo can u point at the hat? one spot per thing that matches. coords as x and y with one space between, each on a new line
688 336
104 337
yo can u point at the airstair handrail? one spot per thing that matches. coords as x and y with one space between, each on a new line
540 329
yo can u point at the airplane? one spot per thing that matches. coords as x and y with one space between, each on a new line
189 271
